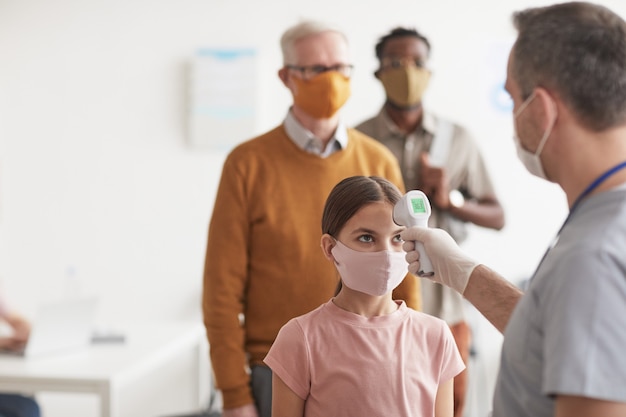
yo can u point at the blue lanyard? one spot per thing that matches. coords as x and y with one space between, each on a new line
594 185
584 194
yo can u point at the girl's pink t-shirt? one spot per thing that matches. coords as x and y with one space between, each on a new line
344 364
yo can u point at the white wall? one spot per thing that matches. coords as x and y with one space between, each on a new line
98 188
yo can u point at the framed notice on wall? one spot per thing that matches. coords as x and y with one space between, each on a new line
222 97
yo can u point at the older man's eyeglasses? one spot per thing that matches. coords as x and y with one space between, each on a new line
311 71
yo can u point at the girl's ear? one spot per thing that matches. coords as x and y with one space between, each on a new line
327 244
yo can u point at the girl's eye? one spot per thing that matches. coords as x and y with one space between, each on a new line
366 238
397 239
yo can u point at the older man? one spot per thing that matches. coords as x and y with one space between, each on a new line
263 263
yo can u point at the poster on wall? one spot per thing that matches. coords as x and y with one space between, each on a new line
222 97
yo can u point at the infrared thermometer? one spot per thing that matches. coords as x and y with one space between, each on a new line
413 209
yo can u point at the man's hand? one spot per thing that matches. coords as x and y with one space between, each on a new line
452 267
434 183
248 410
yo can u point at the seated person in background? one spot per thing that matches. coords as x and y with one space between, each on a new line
15 405
361 353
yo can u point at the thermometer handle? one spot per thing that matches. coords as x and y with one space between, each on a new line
426 267
413 209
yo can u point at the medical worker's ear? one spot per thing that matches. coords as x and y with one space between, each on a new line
328 243
549 107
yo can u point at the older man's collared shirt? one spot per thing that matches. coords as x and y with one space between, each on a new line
308 142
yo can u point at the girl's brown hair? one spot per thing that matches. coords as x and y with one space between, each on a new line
352 193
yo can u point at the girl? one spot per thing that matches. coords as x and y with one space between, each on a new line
362 353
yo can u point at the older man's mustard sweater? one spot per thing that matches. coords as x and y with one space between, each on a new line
264 264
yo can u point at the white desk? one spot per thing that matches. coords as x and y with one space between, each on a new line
112 371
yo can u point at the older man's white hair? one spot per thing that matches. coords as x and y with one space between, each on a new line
301 30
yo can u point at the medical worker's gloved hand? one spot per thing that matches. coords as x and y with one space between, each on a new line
452 267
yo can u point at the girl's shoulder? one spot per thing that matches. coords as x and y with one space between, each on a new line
426 321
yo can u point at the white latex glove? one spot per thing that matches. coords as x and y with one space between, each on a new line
452 267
